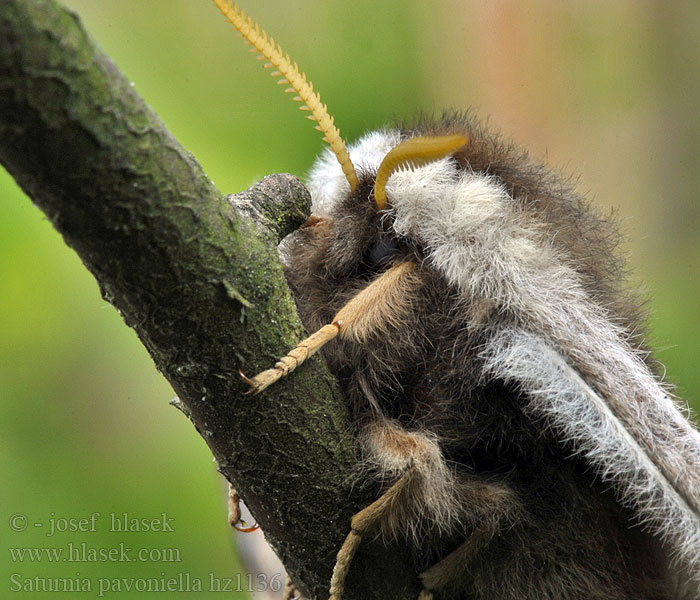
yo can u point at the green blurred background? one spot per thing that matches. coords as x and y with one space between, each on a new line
609 92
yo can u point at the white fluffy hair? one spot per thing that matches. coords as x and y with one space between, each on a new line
582 377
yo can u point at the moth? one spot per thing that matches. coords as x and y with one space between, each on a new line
471 304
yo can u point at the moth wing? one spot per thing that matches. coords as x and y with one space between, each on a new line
654 473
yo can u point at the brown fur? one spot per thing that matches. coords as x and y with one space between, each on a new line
382 304
541 524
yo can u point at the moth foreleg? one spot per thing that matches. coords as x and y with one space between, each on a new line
380 303
293 359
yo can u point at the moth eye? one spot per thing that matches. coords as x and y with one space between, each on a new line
382 251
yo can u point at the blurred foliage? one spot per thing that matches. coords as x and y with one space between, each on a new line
609 91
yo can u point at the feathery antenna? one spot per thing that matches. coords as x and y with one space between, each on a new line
271 51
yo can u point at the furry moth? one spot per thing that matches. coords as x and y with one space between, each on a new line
470 303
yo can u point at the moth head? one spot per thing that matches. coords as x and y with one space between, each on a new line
360 224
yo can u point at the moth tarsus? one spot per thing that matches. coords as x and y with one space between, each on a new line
294 358
235 519
496 368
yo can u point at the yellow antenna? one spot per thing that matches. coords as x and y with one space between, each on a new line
413 153
269 50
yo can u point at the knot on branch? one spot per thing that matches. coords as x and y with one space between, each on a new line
278 204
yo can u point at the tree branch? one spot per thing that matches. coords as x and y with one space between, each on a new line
197 276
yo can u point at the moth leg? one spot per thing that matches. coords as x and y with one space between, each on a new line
234 512
290 591
383 300
452 567
234 506
293 359
488 508
427 496
362 522
415 459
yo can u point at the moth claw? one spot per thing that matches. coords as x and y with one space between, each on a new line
245 528
234 512
250 382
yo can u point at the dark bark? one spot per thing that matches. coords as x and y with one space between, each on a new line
197 276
